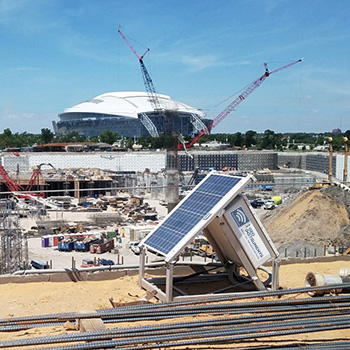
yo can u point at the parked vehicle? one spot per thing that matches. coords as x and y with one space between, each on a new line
88 263
106 262
269 205
277 200
266 187
37 264
135 248
257 203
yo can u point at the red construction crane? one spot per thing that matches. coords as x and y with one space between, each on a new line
145 75
254 85
11 184
35 179
16 188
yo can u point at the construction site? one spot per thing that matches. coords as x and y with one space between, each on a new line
176 248
86 243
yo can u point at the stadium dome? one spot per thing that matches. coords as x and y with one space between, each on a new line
130 114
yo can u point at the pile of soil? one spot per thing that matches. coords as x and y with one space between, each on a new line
319 216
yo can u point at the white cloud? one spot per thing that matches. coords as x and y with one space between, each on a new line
25 121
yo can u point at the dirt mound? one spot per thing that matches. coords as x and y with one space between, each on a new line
314 216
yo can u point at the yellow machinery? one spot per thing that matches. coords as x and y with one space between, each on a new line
206 247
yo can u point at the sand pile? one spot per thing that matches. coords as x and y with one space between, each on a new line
320 217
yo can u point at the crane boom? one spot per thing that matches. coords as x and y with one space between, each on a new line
11 184
147 81
237 101
131 47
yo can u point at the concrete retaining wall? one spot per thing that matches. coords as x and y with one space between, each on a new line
160 271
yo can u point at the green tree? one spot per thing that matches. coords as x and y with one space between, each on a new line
93 139
338 143
144 141
7 132
46 135
73 136
250 138
108 136
129 142
267 140
239 139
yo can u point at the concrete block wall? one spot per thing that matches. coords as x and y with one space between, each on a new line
137 161
257 160
320 162
241 160
293 159
156 161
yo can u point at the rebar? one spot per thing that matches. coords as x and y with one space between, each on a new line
215 336
208 324
291 315
127 313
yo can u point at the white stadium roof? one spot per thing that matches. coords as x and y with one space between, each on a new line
128 104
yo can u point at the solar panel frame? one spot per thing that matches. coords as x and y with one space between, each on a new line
193 214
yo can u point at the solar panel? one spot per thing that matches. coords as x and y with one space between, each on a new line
194 209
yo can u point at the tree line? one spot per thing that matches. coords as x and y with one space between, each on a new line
269 139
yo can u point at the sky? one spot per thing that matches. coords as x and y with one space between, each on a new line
58 53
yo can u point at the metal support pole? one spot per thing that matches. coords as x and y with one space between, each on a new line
169 282
275 274
142 264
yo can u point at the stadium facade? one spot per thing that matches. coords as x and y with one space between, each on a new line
130 113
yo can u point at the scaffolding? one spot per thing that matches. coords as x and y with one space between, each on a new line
13 245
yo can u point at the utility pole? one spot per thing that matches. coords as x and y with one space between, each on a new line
330 171
345 174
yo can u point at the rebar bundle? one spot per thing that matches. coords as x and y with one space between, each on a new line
215 322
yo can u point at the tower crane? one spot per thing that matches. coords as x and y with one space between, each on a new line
149 86
237 101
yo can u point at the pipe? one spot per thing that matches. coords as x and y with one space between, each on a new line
314 279
108 268
344 272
